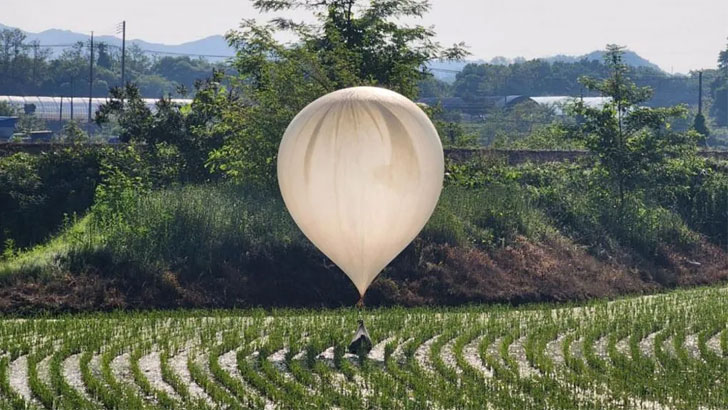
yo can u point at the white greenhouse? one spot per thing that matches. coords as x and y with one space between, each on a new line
61 108
558 103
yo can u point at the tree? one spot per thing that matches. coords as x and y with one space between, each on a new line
7 110
127 108
720 108
701 127
351 43
182 70
188 132
104 58
631 142
723 59
72 132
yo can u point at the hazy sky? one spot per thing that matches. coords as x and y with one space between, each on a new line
678 35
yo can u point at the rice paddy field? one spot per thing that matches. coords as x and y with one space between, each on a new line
652 352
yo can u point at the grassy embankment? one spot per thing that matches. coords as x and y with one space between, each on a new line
499 234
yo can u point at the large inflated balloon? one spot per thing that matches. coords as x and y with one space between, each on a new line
360 171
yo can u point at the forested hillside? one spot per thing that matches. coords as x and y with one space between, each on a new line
26 68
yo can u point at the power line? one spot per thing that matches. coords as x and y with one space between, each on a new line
148 51
173 53
123 52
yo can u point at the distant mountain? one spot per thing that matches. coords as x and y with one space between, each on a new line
630 58
217 46
213 45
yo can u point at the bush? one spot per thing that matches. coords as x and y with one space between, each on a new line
196 230
487 216
708 212
38 191
576 199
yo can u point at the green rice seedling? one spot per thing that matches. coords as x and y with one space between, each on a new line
645 352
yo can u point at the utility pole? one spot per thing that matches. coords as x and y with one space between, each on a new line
700 92
60 113
35 61
90 80
123 53
72 78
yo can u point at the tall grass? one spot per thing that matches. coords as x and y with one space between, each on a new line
198 228
50 258
579 203
485 217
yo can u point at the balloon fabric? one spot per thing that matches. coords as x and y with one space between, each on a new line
361 170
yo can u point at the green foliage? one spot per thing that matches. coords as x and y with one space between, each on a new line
39 192
29 122
719 109
26 68
9 250
192 229
187 134
580 205
73 133
351 43
454 135
491 216
7 110
655 351
541 137
630 141
36 192
535 200
128 109
509 126
540 77
705 205
124 180
701 127
723 59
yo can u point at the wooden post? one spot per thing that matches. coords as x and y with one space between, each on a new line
700 92
123 53
90 81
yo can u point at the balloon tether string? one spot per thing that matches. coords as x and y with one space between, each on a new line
360 306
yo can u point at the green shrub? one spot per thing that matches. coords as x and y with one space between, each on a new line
38 191
583 208
708 211
486 216
196 229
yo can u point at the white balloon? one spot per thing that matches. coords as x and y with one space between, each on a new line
360 171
